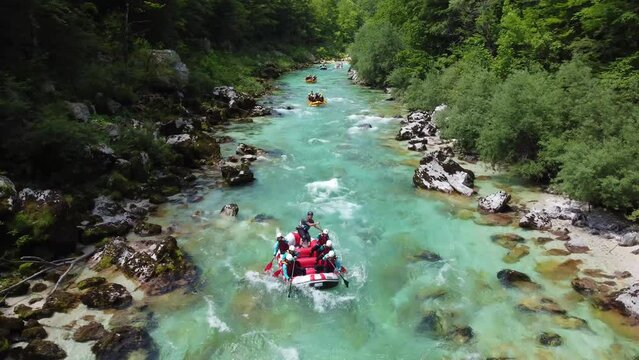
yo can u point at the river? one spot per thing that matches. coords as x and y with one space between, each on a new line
358 182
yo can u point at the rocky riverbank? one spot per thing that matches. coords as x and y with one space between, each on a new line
597 248
115 258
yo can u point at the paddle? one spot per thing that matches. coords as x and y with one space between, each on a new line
269 265
277 272
340 274
290 285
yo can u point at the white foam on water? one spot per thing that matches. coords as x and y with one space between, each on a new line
361 118
325 300
440 275
213 320
288 353
317 140
323 189
266 281
358 129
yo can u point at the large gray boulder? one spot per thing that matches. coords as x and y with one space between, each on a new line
629 239
234 99
237 173
535 220
439 172
80 111
8 197
230 210
169 72
495 202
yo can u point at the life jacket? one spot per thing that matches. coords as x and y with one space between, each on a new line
282 245
323 250
322 239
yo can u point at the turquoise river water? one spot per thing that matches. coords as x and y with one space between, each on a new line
358 183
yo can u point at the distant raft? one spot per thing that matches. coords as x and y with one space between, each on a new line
311 80
317 103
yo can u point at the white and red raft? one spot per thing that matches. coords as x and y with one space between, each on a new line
318 280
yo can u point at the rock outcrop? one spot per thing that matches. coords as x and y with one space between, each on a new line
194 148
236 174
535 220
8 197
107 296
439 172
236 101
169 72
122 341
495 202
160 266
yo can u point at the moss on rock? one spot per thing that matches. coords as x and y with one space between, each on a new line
91 282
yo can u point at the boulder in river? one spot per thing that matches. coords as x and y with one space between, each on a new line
245 149
535 220
516 253
439 172
61 301
508 240
107 296
629 239
147 229
230 210
237 173
260 110
431 324
495 202
550 339
540 305
427 255
509 278
91 282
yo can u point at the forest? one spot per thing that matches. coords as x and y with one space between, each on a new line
547 89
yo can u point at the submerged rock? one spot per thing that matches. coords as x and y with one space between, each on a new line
427 255
496 202
550 339
570 322
262 218
107 296
461 335
540 305
516 253
509 278
431 324
230 210
438 172
508 241
89 332
121 342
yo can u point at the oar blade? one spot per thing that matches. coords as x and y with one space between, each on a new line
277 273
268 267
345 282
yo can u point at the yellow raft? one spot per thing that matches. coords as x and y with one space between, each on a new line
317 103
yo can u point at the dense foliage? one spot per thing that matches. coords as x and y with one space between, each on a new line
548 88
97 51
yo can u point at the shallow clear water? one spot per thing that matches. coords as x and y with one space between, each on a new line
358 182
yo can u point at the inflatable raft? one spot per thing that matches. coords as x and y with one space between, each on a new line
311 81
318 280
317 103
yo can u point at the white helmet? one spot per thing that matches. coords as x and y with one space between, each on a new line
331 253
325 231
291 248
289 257
329 243
279 234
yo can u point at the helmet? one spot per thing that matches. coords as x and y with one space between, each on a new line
309 213
325 231
289 257
330 253
291 248
279 234
329 243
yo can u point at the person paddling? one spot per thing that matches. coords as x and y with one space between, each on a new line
321 250
329 263
281 245
323 237
292 268
305 225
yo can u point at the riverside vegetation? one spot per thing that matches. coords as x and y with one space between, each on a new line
546 88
